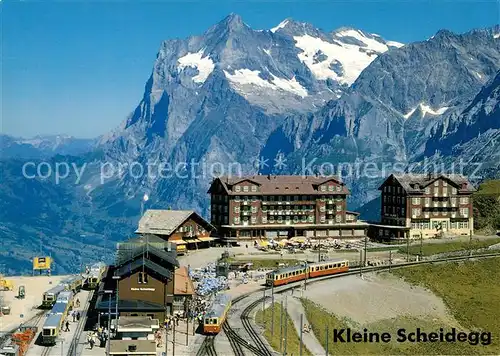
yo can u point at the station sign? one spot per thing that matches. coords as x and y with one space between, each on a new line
41 263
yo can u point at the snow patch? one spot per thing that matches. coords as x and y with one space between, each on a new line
394 44
204 65
426 109
370 42
251 77
350 57
282 24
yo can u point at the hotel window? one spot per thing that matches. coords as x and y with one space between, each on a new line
280 219
237 199
237 209
339 188
296 198
254 209
436 183
427 190
322 209
304 218
310 218
331 188
254 188
402 211
454 191
445 183
245 188
280 198
264 219
464 212
415 212
464 200
254 220
338 218
415 201
142 278
427 201
236 220
339 207
237 188
322 218
323 188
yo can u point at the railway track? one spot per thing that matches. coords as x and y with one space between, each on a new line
260 347
72 350
263 351
207 347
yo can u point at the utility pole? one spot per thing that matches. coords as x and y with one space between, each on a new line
281 327
408 247
301 330
421 245
327 339
470 243
109 324
286 322
366 242
390 260
187 325
272 308
173 341
360 262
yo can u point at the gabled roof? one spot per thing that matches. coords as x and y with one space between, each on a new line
409 181
136 250
280 184
143 262
165 222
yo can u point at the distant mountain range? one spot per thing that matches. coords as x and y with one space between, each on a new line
43 146
268 100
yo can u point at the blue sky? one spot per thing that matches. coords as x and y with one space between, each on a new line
79 67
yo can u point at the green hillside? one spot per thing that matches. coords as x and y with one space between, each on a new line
487 206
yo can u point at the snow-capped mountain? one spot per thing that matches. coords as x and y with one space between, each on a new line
215 98
395 104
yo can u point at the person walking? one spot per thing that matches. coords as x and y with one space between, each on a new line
73 314
67 325
78 315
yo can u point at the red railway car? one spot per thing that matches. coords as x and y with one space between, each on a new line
297 273
327 268
217 314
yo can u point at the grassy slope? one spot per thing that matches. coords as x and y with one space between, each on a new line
293 339
468 289
432 249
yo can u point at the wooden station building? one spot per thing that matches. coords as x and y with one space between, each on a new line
184 228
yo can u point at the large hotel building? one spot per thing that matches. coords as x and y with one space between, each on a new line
425 205
282 206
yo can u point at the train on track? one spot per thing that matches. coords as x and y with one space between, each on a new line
73 284
55 318
291 274
217 314
94 275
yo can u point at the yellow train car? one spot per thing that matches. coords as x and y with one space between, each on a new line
217 314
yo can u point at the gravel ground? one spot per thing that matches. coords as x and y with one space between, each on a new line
35 287
377 297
